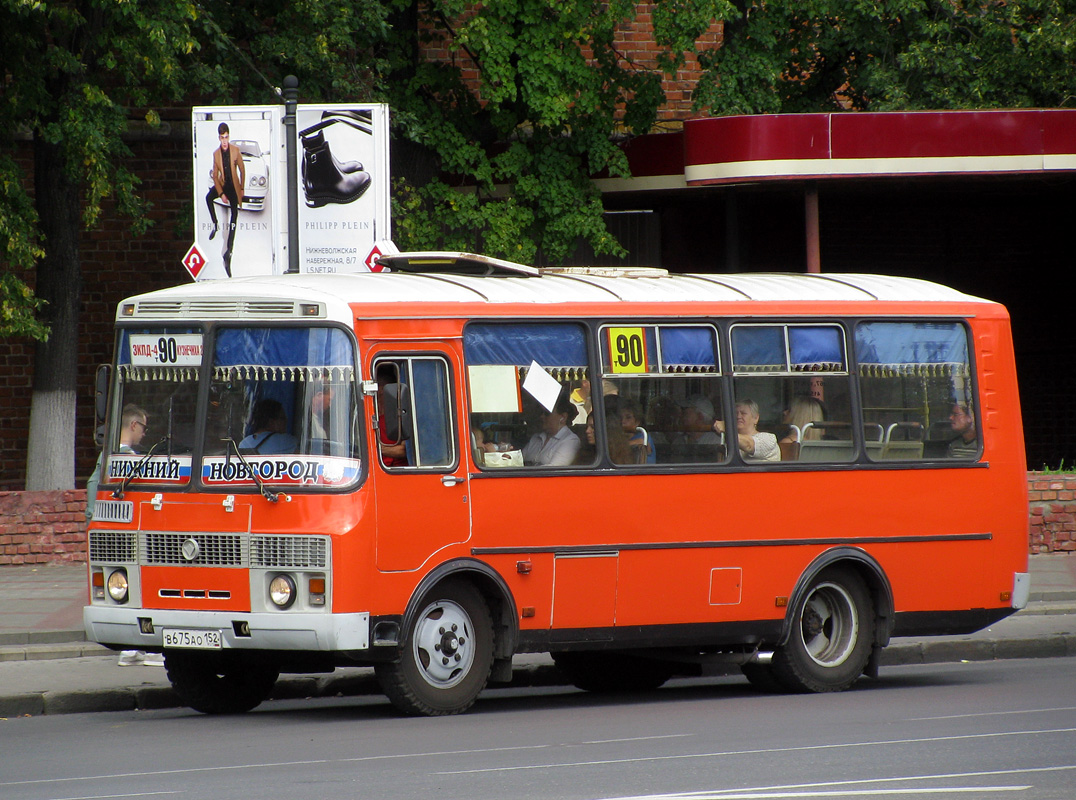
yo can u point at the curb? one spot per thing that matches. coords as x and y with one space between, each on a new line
144 698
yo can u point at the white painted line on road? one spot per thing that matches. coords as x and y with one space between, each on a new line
636 739
992 714
754 791
114 796
932 790
760 751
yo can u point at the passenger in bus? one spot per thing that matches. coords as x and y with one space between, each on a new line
696 442
132 428
269 430
390 428
966 443
755 445
616 439
638 438
803 410
556 445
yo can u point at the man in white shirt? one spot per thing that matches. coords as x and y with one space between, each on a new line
556 445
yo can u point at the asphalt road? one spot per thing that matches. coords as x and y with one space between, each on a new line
996 729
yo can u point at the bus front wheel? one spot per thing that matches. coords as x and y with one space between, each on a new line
832 635
446 655
216 685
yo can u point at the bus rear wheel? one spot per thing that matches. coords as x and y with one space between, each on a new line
612 672
447 653
832 635
216 685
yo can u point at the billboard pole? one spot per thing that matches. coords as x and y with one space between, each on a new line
291 103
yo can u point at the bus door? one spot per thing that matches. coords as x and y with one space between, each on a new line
420 479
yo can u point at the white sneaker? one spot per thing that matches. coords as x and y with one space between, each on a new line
153 660
132 658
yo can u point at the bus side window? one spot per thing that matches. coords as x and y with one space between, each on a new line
525 383
793 392
663 394
414 413
917 386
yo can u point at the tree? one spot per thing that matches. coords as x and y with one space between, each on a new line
530 107
888 55
514 150
71 72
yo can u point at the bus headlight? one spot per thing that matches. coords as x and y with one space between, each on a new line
117 586
282 591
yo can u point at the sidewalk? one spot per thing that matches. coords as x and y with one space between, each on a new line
47 667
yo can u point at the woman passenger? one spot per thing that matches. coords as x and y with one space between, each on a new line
755 446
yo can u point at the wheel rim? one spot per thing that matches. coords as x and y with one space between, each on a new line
444 644
829 625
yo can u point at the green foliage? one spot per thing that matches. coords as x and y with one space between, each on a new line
548 98
17 308
72 72
819 55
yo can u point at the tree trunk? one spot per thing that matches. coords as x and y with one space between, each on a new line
50 462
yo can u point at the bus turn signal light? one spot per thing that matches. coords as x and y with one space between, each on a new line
316 588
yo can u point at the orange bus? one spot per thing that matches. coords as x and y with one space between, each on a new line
431 469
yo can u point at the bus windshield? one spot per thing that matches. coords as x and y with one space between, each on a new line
157 391
277 392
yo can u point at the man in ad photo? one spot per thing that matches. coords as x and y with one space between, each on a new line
229 178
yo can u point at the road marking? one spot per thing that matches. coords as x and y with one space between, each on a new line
760 751
933 790
636 739
755 791
992 714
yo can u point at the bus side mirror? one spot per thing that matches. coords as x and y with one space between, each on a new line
100 402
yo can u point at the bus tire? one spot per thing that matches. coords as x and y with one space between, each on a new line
446 654
607 672
831 637
214 685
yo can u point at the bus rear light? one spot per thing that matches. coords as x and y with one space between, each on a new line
317 591
1006 597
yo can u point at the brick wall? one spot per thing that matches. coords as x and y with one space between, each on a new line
1053 512
42 527
50 527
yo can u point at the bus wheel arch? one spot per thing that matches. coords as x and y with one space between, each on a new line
459 627
839 617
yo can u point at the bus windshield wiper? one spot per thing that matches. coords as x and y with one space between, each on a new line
268 494
118 493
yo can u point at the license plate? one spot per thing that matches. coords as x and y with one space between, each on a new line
186 639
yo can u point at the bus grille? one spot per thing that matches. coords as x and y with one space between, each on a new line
160 548
114 546
214 549
296 552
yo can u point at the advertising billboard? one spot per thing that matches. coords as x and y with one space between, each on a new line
241 185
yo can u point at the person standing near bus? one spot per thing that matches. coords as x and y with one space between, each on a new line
966 443
229 178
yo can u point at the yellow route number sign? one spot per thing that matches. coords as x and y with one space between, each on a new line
627 350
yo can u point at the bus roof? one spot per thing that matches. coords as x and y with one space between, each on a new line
282 296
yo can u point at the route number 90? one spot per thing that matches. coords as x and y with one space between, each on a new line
627 350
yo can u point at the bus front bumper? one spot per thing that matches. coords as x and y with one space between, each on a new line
143 628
